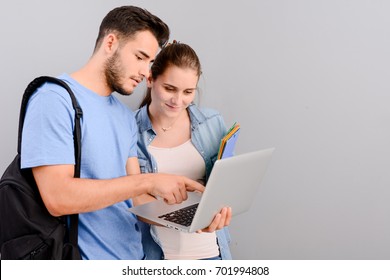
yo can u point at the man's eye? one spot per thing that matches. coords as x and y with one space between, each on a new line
188 92
138 57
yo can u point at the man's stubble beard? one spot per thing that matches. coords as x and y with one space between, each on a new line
112 72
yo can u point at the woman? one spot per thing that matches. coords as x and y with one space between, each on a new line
177 137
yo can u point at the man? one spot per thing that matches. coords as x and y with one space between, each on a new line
128 40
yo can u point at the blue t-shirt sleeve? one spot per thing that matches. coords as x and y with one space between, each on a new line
47 137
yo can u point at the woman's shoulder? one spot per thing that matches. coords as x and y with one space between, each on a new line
207 118
206 112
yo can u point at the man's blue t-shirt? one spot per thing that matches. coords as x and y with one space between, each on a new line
109 138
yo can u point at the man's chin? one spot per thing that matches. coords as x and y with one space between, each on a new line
124 92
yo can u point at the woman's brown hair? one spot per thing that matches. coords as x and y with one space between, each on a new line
174 54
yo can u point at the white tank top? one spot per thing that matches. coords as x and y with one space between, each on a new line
183 160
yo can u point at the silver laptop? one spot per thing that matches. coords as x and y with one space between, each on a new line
233 182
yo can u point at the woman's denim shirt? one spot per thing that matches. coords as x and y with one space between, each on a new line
207 130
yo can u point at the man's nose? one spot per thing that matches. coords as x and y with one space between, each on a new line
145 71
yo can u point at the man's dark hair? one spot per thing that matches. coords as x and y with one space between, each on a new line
126 21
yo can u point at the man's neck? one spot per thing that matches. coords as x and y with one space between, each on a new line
92 77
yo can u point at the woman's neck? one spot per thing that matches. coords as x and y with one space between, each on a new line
166 123
171 132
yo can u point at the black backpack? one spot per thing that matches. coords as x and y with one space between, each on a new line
27 230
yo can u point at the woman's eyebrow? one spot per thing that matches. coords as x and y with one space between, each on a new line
172 86
169 85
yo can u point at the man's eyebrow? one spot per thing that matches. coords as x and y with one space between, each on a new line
144 54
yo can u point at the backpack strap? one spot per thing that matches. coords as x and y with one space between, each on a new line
31 88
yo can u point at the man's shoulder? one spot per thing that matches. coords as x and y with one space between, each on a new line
49 94
52 91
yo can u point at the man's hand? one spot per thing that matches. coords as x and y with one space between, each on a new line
173 189
222 219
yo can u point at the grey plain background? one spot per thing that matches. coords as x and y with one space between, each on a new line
308 77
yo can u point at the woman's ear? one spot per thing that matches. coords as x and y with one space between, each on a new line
149 80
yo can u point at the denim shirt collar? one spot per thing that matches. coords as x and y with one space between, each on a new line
145 124
196 116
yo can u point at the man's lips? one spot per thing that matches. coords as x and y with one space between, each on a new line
137 80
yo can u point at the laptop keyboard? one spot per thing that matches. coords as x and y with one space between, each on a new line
182 216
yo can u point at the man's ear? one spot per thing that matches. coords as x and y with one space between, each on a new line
110 43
